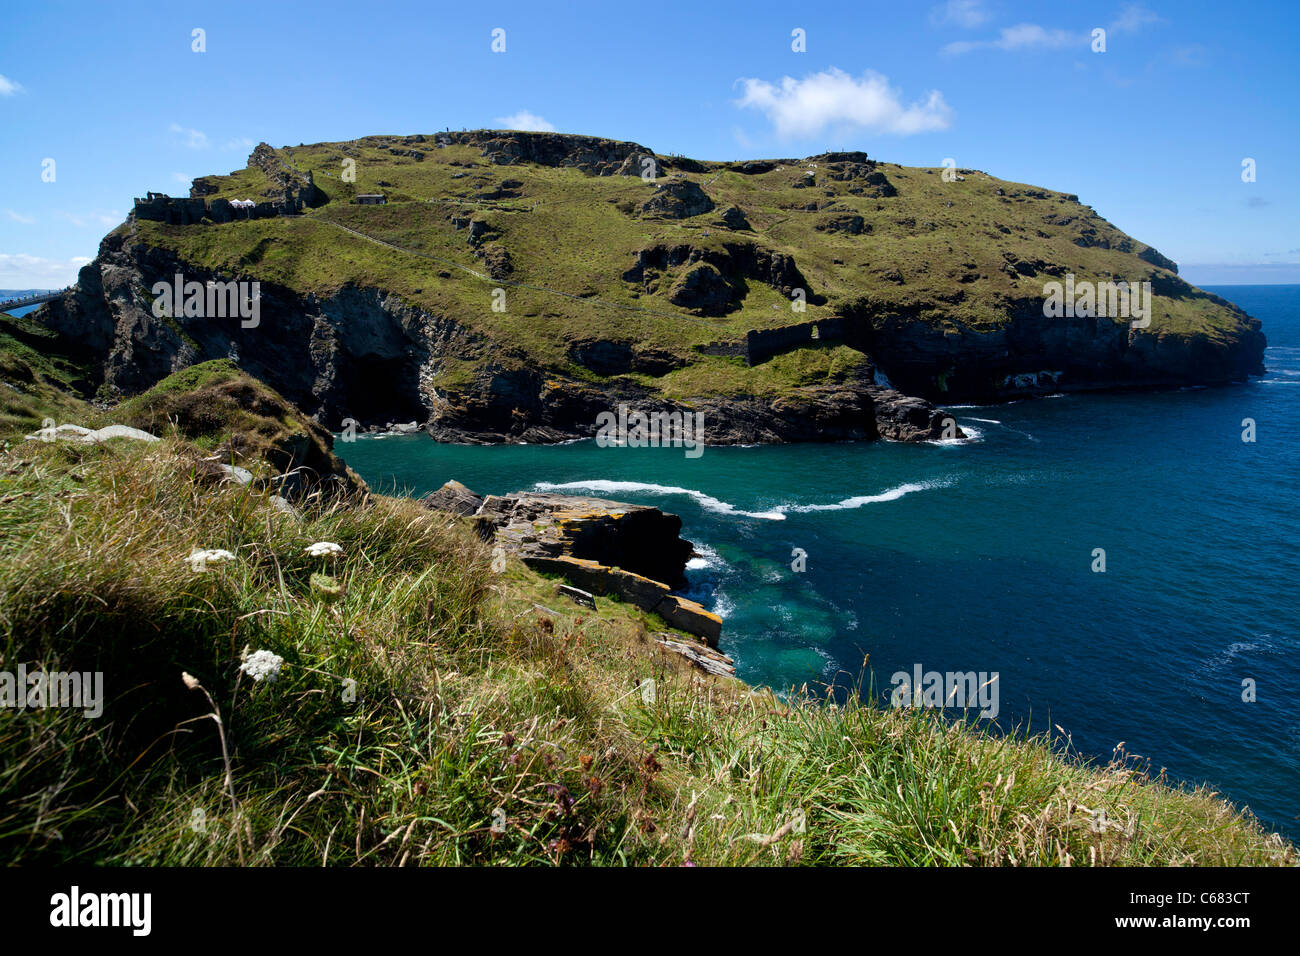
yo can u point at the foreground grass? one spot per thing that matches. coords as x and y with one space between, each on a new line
431 711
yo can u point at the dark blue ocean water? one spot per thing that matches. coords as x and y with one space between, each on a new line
978 556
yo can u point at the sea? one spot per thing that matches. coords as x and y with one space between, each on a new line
1127 564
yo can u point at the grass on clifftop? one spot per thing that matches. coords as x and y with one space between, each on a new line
36 382
428 711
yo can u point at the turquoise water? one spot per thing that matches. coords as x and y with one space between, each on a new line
978 556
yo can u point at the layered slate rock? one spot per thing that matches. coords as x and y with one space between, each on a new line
645 593
637 538
601 547
707 659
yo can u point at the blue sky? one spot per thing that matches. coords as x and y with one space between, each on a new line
1152 132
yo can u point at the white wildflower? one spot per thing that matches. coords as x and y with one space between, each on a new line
262 665
199 560
324 549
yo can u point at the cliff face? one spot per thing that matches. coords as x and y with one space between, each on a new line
1028 354
517 285
368 356
632 552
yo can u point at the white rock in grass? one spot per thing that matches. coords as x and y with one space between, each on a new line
241 476
61 432
280 503
88 436
118 431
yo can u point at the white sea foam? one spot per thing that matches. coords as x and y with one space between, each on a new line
719 506
709 502
973 435
705 557
893 494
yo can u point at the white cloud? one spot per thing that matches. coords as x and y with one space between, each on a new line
21 271
239 142
9 87
524 120
962 13
19 217
1031 36
1132 19
1023 36
833 99
185 179
194 139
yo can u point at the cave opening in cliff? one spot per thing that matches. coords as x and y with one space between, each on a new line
377 391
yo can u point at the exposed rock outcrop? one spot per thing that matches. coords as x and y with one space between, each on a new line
358 354
591 154
719 288
636 538
454 497
902 417
734 218
677 199
632 552
943 360
706 658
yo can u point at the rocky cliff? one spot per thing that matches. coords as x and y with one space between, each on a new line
515 286
600 547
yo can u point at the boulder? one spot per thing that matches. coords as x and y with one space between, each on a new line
453 497
733 218
677 199
902 417
704 290
852 224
